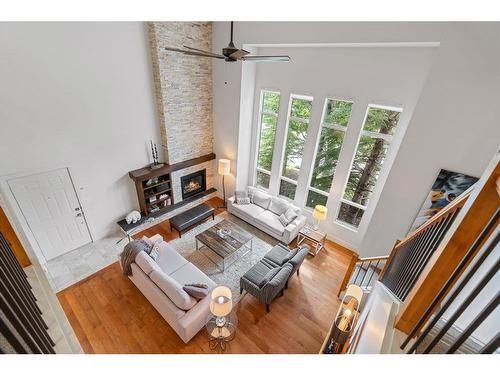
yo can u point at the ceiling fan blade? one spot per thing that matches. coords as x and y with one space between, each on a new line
277 58
193 53
238 54
206 52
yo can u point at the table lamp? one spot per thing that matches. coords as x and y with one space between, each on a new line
224 169
319 214
221 304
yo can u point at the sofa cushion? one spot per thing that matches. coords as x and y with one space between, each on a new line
249 211
279 255
271 222
173 290
261 199
278 206
257 273
269 276
168 259
190 274
146 263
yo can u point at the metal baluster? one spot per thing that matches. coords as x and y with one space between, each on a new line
373 272
37 332
367 269
427 252
398 259
492 345
493 270
424 258
407 269
357 273
483 315
17 279
13 260
451 280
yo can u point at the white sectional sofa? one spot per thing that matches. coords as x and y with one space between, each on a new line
264 213
154 279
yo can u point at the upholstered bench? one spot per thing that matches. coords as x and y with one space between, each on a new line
191 217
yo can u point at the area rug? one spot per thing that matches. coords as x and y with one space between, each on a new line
204 258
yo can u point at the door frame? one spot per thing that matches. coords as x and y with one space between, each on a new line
16 216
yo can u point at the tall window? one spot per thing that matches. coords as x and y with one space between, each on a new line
297 125
336 115
378 129
268 114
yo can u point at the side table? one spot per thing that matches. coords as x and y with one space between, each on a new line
220 334
315 236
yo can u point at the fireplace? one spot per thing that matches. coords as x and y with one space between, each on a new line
194 183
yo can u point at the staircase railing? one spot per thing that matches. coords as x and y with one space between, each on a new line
361 269
410 255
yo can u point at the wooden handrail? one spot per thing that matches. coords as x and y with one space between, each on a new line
448 210
383 257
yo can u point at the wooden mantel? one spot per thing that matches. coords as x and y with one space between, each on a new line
143 173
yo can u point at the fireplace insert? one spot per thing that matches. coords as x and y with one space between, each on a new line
194 183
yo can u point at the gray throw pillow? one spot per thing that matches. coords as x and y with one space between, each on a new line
195 292
269 276
240 195
242 200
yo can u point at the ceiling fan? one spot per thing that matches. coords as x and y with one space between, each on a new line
230 53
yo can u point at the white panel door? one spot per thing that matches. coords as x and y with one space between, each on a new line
49 204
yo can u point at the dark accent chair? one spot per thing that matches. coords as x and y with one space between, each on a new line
269 277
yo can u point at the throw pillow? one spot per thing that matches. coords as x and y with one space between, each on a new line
196 292
198 285
261 199
269 276
278 206
291 215
283 220
243 201
251 193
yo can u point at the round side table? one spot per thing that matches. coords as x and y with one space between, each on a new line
221 332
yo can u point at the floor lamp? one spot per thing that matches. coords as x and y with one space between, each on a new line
224 169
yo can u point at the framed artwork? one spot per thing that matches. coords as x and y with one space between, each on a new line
447 187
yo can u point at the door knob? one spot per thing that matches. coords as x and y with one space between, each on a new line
78 214
77 209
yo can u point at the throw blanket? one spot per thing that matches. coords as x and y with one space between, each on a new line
129 253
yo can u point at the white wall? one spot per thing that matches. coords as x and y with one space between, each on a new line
391 76
78 95
454 125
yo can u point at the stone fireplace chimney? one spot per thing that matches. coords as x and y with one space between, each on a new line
183 86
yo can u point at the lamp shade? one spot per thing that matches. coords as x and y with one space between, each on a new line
319 212
224 166
221 303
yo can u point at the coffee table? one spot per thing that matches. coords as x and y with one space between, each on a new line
227 246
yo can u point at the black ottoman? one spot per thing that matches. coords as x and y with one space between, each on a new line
191 217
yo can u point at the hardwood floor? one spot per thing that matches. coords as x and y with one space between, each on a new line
110 315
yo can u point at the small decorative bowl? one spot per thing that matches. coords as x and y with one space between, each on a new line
223 232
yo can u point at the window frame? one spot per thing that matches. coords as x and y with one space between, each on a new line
327 125
285 141
386 137
258 135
